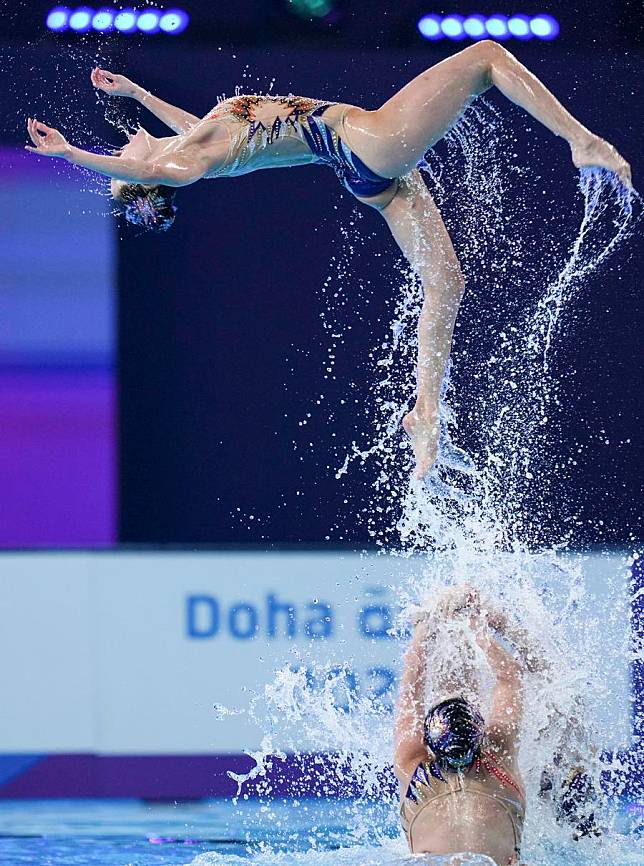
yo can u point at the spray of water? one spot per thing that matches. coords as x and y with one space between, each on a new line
473 519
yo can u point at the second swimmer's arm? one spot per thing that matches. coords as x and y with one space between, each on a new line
409 737
530 652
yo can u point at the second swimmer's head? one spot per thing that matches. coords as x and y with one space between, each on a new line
149 206
454 732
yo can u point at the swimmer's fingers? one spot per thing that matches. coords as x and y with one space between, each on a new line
100 80
33 135
47 140
459 600
96 79
31 130
111 83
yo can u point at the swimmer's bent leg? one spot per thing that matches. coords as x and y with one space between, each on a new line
392 139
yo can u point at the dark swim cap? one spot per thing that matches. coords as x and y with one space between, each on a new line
454 731
150 207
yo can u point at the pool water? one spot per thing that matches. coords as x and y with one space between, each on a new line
218 833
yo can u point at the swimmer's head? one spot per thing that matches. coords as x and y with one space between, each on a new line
149 206
454 731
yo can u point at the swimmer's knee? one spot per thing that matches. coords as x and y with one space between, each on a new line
487 55
488 51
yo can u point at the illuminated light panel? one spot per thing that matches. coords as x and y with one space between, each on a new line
430 27
311 8
498 27
58 18
106 20
544 27
474 27
125 21
148 22
519 27
174 21
81 19
452 27
103 20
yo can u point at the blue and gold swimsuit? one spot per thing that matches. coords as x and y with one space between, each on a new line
275 131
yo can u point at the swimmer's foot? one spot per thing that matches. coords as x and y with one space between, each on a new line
423 428
594 152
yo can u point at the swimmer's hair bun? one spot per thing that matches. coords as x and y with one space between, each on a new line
150 207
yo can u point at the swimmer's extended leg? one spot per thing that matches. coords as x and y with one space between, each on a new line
419 230
392 139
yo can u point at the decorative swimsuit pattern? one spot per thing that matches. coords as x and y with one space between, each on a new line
423 790
251 139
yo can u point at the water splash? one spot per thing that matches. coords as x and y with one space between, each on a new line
473 519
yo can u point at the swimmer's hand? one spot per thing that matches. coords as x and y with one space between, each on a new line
112 84
462 600
47 141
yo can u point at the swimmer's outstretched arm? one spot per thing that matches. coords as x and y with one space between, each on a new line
409 734
179 171
113 84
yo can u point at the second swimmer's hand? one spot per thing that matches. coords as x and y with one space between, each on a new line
111 83
458 601
47 141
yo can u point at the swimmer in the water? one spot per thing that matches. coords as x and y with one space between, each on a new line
370 150
460 787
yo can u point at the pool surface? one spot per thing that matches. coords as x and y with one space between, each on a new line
217 833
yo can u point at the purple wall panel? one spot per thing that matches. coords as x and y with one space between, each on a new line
170 777
57 384
57 458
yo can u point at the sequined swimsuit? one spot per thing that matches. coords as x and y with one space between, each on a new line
485 778
295 134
